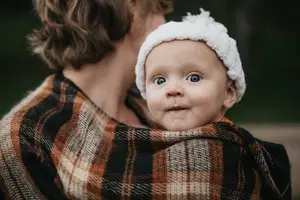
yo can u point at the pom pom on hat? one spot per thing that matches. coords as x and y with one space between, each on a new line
201 27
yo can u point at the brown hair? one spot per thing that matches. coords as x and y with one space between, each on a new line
78 32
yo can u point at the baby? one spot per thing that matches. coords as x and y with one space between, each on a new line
190 73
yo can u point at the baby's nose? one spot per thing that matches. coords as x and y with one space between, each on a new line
174 92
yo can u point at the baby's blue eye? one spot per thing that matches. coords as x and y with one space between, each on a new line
194 78
159 80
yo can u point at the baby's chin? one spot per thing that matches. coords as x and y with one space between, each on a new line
180 126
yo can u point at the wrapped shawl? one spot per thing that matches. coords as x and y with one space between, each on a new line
56 144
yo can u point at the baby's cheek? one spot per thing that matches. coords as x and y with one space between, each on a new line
155 109
202 96
155 102
154 106
153 97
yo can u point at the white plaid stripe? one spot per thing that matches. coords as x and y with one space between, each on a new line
199 156
199 163
79 152
176 171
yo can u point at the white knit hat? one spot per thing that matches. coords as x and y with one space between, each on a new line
200 27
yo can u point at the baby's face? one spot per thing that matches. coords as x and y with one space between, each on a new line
186 85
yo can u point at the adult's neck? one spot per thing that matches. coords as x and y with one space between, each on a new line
106 82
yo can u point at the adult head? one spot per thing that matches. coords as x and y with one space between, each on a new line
79 32
95 41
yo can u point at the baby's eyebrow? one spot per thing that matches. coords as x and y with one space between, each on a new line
152 72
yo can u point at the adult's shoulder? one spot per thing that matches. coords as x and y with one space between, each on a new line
27 137
27 172
36 110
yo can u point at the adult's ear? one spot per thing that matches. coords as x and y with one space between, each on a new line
230 96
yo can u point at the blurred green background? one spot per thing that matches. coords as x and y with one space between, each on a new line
267 32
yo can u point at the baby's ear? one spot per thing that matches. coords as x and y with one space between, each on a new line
230 96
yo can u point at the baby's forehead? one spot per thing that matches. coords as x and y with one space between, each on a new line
182 55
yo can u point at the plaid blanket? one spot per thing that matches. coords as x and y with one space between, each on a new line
56 144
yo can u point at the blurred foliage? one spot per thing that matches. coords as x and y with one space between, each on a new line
267 33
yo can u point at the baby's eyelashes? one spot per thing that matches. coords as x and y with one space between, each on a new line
194 78
159 80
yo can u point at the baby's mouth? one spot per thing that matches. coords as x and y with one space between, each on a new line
176 108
